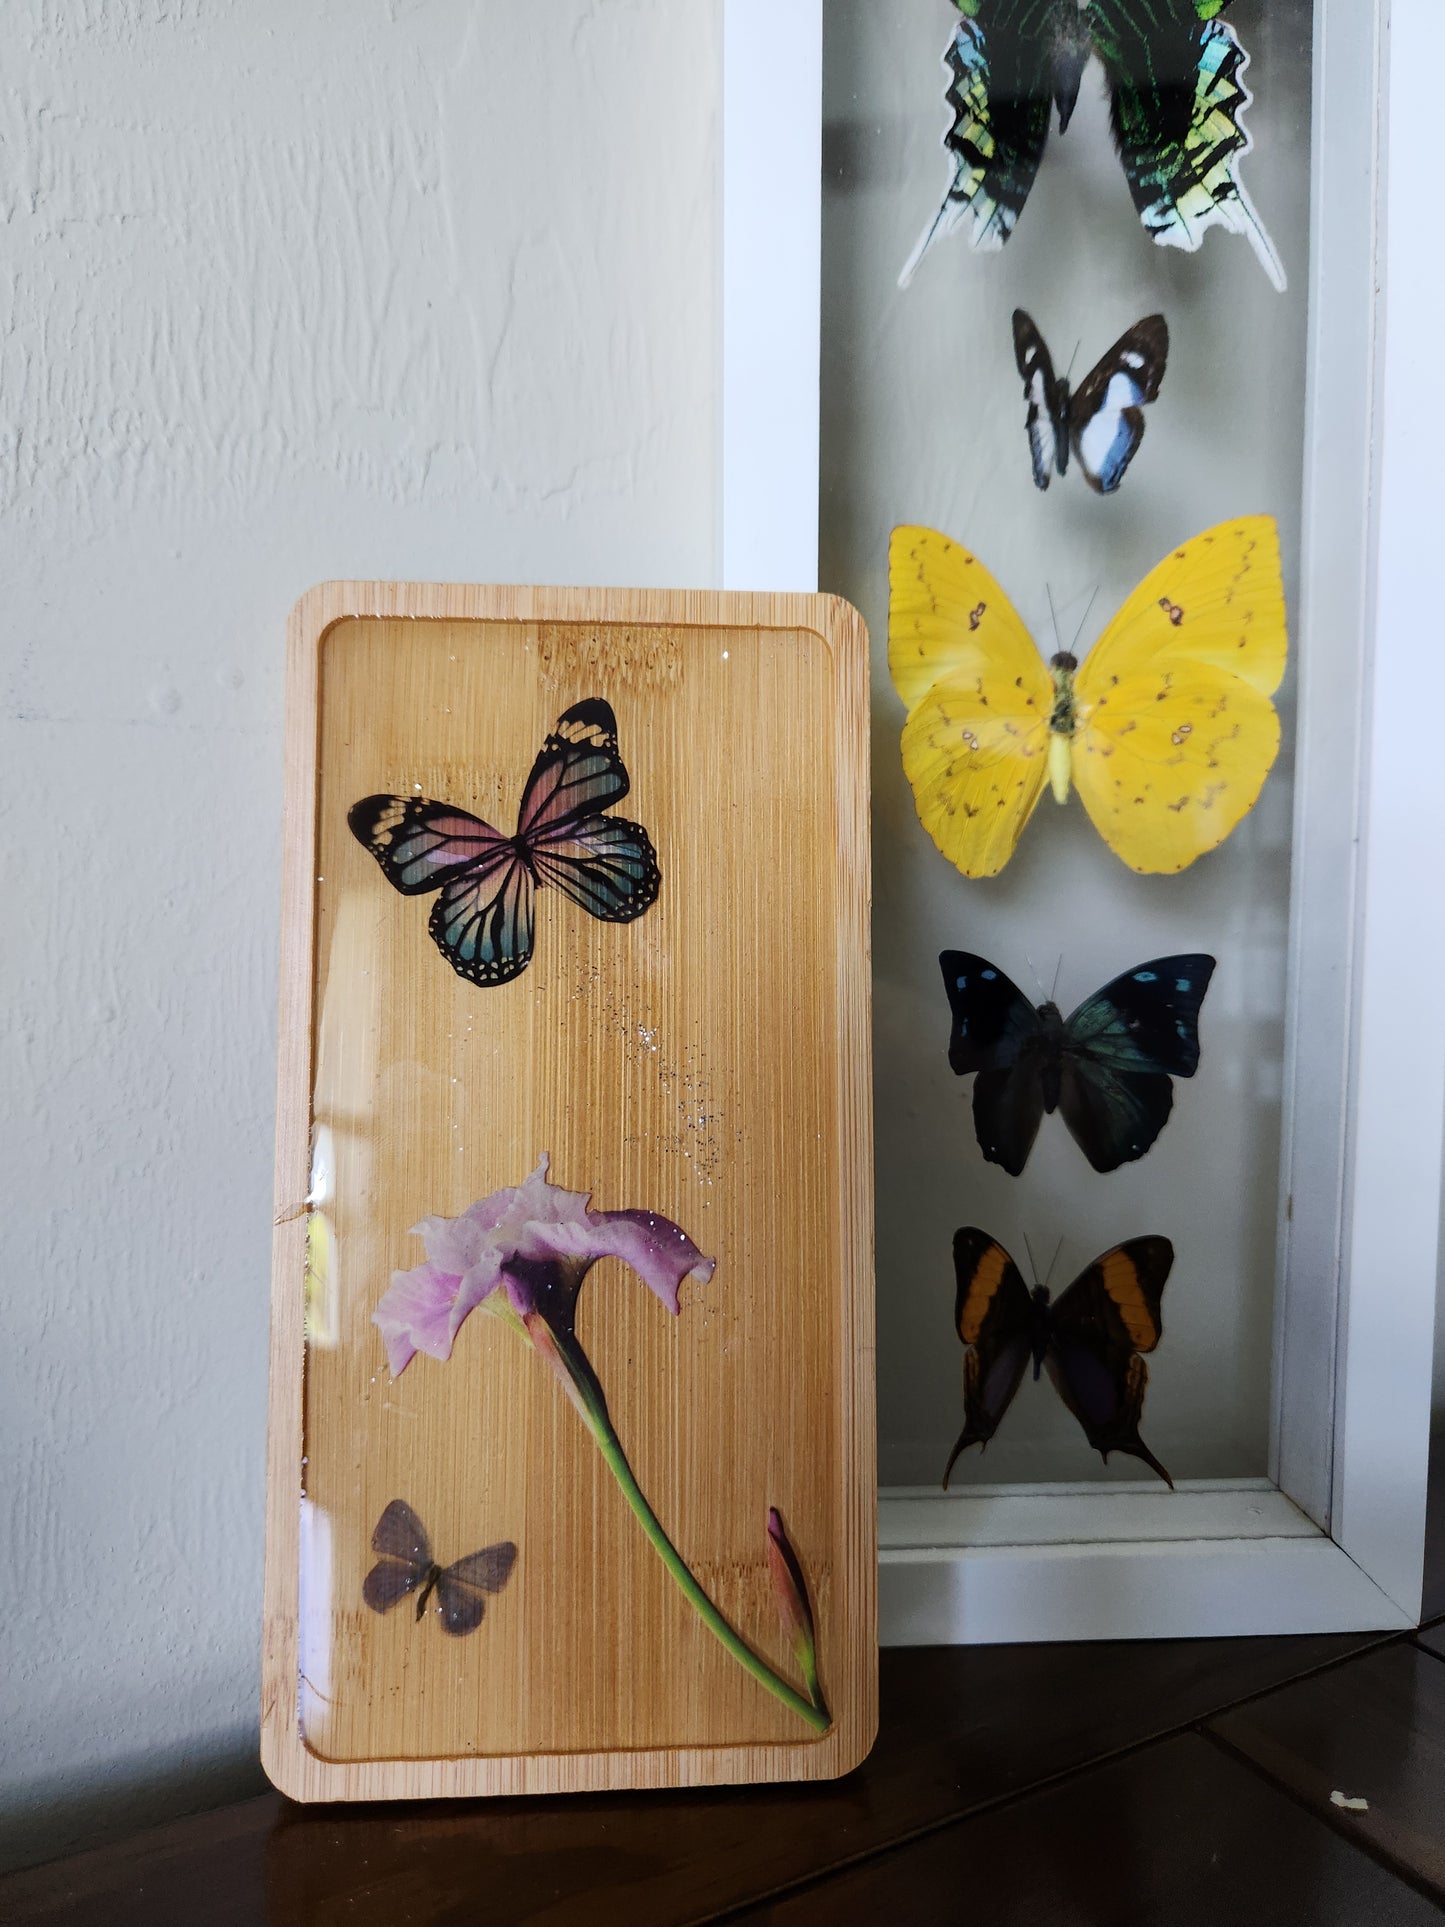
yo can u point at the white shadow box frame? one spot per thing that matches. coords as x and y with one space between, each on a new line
1333 1539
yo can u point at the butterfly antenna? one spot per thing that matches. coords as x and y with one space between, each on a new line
1033 1261
1069 371
1055 1259
1038 980
1054 617
1074 649
1053 987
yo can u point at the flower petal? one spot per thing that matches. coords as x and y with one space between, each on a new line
415 1315
540 1239
659 1252
425 1308
540 1202
455 1244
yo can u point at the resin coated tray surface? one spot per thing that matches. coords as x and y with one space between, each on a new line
574 1030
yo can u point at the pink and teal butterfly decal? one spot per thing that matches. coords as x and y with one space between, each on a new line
483 920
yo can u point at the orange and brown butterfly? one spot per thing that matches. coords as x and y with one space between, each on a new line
1090 1340
1166 729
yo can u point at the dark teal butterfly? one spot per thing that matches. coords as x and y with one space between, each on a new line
1106 1069
1176 82
483 920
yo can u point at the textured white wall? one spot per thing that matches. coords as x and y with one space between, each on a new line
289 289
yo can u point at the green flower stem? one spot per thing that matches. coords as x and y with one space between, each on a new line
810 1674
593 1406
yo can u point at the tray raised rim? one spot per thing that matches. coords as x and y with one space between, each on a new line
289 1763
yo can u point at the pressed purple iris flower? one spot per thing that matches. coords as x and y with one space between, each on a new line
537 1242
523 1253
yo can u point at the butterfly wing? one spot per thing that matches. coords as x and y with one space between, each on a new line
487 1570
1105 418
992 1018
1098 1330
603 863
1008 1107
998 1034
947 615
975 746
1178 104
400 1539
462 1588
578 772
1147 1019
993 1316
1217 600
421 845
400 1534
1047 420
999 93
484 923
1176 731
1120 1049
1114 1115
389 1582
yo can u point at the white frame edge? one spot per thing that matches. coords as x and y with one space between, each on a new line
772 202
1177 1589
1361 1258
1388 1324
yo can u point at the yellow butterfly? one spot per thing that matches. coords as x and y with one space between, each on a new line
1167 729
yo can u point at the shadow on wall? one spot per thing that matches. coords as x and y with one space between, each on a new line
47 1819
1434 1596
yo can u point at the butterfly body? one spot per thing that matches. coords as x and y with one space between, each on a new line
1068 57
1041 1057
1063 721
428 1587
484 918
1166 729
1175 73
405 1566
1090 1341
1025 1349
1108 1067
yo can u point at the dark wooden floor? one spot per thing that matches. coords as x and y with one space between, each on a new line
1190 1782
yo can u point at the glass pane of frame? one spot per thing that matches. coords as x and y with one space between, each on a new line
927 391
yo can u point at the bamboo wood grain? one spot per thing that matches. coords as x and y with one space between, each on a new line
711 1062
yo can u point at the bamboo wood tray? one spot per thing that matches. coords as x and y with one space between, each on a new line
526 1530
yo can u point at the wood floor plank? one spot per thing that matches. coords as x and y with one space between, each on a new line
1178 1834
1373 1730
961 1727
166 1875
